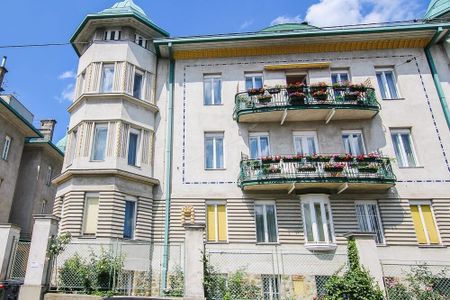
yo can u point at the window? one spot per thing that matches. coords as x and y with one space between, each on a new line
107 78
404 148
43 206
353 142
138 84
112 35
387 83
305 142
369 219
214 151
140 40
338 76
317 221
212 89
133 147
129 225
48 179
73 147
270 285
266 223
6 146
259 145
296 78
99 144
90 214
216 220
81 84
424 223
253 81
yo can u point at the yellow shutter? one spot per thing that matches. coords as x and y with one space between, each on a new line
421 238
222 223
211 223
429 224
91 215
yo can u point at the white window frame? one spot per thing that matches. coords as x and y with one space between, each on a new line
215 203
403 155
83 229
211 77
258 136
6 147
214 136
304 135
108 33
135 200
322 200
338 72
138 38
385 84
270 291
93 140
266 229
48 180
141 89
380 223
350 132
419 204
253 76
138 132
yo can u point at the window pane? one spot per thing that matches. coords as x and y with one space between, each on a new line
328 220
307 222
258 83
271 223
391 84
100 142
334 78
132 149
217 90
346 140
137 88
222 223
429 224
130 209
209 153
362 220
381 85
359 148
418 226
248 83
207 91
298 145
264 145
317 210
375 222
344 77
260 232
211 222
107 78
91 215
311 145
398 155
254 153
219 153
406 140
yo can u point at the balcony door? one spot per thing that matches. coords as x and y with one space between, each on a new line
305 142
296 78
353 142
259 144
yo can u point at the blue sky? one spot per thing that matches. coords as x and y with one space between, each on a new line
41 78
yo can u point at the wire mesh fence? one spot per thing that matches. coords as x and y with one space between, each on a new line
269 274
19 260
122 268
417 280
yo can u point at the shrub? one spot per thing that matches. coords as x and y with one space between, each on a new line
176 283
74 274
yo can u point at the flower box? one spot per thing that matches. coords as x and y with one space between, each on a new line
255 92
352 96
320 95
273 169
334 167
318 158
357 87
340 86
273 91
371 157
297 98
343 158
368 169
297 87
293 158
306 168
271 159
319 87
264 99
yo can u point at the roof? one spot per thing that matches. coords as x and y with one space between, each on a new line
44 142
124 7
62 144
18 120
290 27
437 8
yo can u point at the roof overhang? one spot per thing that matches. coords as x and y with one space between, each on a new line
46 145
19 122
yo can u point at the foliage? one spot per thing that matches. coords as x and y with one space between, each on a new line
57 244
356 284
176 283
96 274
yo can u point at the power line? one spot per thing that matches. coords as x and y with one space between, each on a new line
37 45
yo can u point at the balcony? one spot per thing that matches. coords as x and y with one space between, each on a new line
306 103
331 172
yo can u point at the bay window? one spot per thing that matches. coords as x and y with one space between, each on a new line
99 142
107 78
134 138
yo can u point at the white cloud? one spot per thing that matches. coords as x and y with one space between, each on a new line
67 75
67 93
286 19
246 24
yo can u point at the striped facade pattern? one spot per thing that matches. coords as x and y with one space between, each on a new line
111 214
441 208
72 212
144 219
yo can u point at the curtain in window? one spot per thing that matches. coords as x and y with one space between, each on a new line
320 222
100 142
406 140
221 223
107 78
353 143
128 228
132 149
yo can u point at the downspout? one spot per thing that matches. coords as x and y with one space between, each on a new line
435 75
168 172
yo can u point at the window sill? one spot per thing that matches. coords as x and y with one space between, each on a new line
218 169
87 237
393 99
267 244
213 104
422 246
217 243
96 161
413 167
321 247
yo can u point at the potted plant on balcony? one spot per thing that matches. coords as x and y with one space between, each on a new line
272 169
306 168
342 157
340 86
335 167
318 158
264 99
271 159
255 92
292 158
358 87
295 87
371 157
297 98
368 168
274 90
352 96
320 86
320 95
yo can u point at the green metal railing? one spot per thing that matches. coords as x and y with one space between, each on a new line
315 169
275 99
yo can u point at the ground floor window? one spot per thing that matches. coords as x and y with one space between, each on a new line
266 222
270 287
317 221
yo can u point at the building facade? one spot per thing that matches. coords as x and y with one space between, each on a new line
285 138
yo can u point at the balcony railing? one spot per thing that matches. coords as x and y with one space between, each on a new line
278 104
328 171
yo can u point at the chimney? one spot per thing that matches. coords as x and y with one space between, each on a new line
47 128
3 71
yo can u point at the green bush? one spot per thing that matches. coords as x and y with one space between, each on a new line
74 274
176 283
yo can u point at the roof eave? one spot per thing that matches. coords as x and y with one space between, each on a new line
21 118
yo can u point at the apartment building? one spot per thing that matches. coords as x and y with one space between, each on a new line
289 137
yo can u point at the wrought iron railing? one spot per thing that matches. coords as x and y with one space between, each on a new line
315 168
272 99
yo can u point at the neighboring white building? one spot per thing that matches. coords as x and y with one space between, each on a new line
242 128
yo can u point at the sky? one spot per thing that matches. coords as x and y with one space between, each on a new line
43 78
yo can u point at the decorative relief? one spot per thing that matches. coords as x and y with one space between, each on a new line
187 215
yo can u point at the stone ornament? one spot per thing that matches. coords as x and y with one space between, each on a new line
187 215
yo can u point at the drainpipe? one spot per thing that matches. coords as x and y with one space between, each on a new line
435 74
168 172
